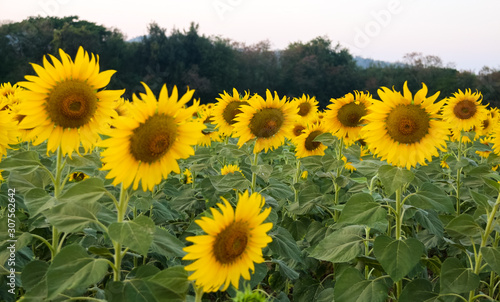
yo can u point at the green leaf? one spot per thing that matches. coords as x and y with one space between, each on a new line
88 190
325 295
340 246
170 284
417 290
37 200
464 225
352 287
74 268
480 199
72 217
175 279
326 139
230 182
363 210
397 257
492 257
457 279
22 162
136 234
34 280
286 270
284 245
431 197
262 171
33 273
167 244
430 220
394 178
305 289
312 163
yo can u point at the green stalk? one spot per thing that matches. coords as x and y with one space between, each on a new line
296 180
484 241
254 176
58 186
399 222
459 172
367 251
121 210
198 293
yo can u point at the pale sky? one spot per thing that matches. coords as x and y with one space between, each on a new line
463 32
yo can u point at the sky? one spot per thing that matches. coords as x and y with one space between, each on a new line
465 34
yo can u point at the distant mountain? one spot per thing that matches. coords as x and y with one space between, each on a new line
366 62
136 39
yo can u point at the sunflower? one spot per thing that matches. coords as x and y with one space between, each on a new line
487 125
8 132
206 117
9 95
304 175
77 176
269 121
63 103
308 107
7 89
122 107
348 165
230 169
344 117
463 111
298 128
144 147
305 144
233 243
227 108
405 130
188 177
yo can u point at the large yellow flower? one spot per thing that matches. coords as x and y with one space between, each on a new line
64 103
269 121
344 117
464 110
233 243
144 147
305 144
227 108
405 130
8 132
308 107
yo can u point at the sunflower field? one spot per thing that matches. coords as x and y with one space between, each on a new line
250 197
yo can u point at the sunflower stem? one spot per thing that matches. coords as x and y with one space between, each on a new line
484 240
198 293
399 222
459 172
296 180
121 209
254 175
57 190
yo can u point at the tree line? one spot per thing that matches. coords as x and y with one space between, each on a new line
211 65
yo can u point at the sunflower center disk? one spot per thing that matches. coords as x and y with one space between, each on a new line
310 144
407 124
465 109
350 114
298 129
232 109
72 104
304 109
266 122
231 242
152 139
